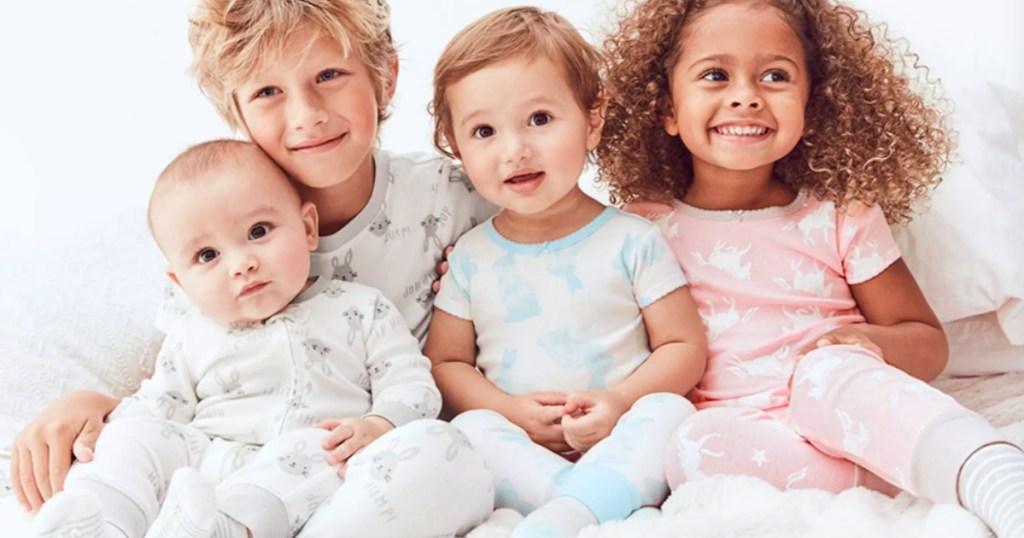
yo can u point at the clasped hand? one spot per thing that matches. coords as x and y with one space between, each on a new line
349 436
564 422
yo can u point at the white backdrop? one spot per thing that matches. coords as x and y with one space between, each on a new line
95 98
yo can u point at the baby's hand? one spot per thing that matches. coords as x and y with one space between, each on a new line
442 268
588 417
849 335
349 436
539 413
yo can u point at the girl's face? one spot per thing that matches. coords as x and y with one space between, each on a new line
739 89
313 111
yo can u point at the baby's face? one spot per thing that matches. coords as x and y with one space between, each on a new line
238 241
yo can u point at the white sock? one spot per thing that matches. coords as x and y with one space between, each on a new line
561 517
190 509
226 527
992 486
73 513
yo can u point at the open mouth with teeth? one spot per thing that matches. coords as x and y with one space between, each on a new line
741 130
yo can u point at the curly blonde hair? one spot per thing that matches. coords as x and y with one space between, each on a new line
870 137
505 34
232 39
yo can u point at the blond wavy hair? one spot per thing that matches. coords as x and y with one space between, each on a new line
521 32
232 39
877 127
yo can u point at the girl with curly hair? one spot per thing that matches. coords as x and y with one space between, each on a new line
772 140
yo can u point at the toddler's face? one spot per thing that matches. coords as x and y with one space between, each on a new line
237 241
522 137
739 89
313 110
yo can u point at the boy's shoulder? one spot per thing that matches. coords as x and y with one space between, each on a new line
416 166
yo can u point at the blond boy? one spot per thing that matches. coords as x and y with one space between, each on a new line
309 81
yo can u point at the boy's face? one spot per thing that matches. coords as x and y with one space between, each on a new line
522 137
237 242
313 110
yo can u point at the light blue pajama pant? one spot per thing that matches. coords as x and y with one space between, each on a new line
619 474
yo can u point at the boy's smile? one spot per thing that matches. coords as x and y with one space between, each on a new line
314 111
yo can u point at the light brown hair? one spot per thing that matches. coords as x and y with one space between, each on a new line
198 160
521 32
876 126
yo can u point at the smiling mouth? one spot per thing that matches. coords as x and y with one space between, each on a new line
522 178
324 144
746 130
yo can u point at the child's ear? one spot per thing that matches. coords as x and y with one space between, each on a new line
311 220
596 121
173 277
668 116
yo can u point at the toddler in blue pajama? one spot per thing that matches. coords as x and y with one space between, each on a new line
564 330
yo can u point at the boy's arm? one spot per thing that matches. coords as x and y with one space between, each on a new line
679 349
169 393
41 453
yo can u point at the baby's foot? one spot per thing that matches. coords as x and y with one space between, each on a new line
73 514
190 510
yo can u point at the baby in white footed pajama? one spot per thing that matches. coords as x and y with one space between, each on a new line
237 432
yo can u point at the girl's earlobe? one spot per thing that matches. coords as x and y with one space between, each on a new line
670 125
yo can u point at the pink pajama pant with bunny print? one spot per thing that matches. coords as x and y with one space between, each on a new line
852 420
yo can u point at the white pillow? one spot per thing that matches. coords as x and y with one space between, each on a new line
80 319
978 346
967 249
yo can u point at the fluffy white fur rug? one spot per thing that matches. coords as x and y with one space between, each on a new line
746 507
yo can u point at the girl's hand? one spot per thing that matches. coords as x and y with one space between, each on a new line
540 414
588 417
849 335
442 268
349 436
41 454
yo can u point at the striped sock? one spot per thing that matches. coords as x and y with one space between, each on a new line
992 486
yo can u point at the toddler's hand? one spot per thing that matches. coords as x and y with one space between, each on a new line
540 414
588 417
349 436
849 335
442 268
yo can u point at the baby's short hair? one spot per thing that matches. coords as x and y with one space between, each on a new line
521 32
197 160
232 39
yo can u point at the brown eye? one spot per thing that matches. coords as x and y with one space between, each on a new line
206 255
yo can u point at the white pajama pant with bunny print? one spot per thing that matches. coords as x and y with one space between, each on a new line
619 474
287 486
852 420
